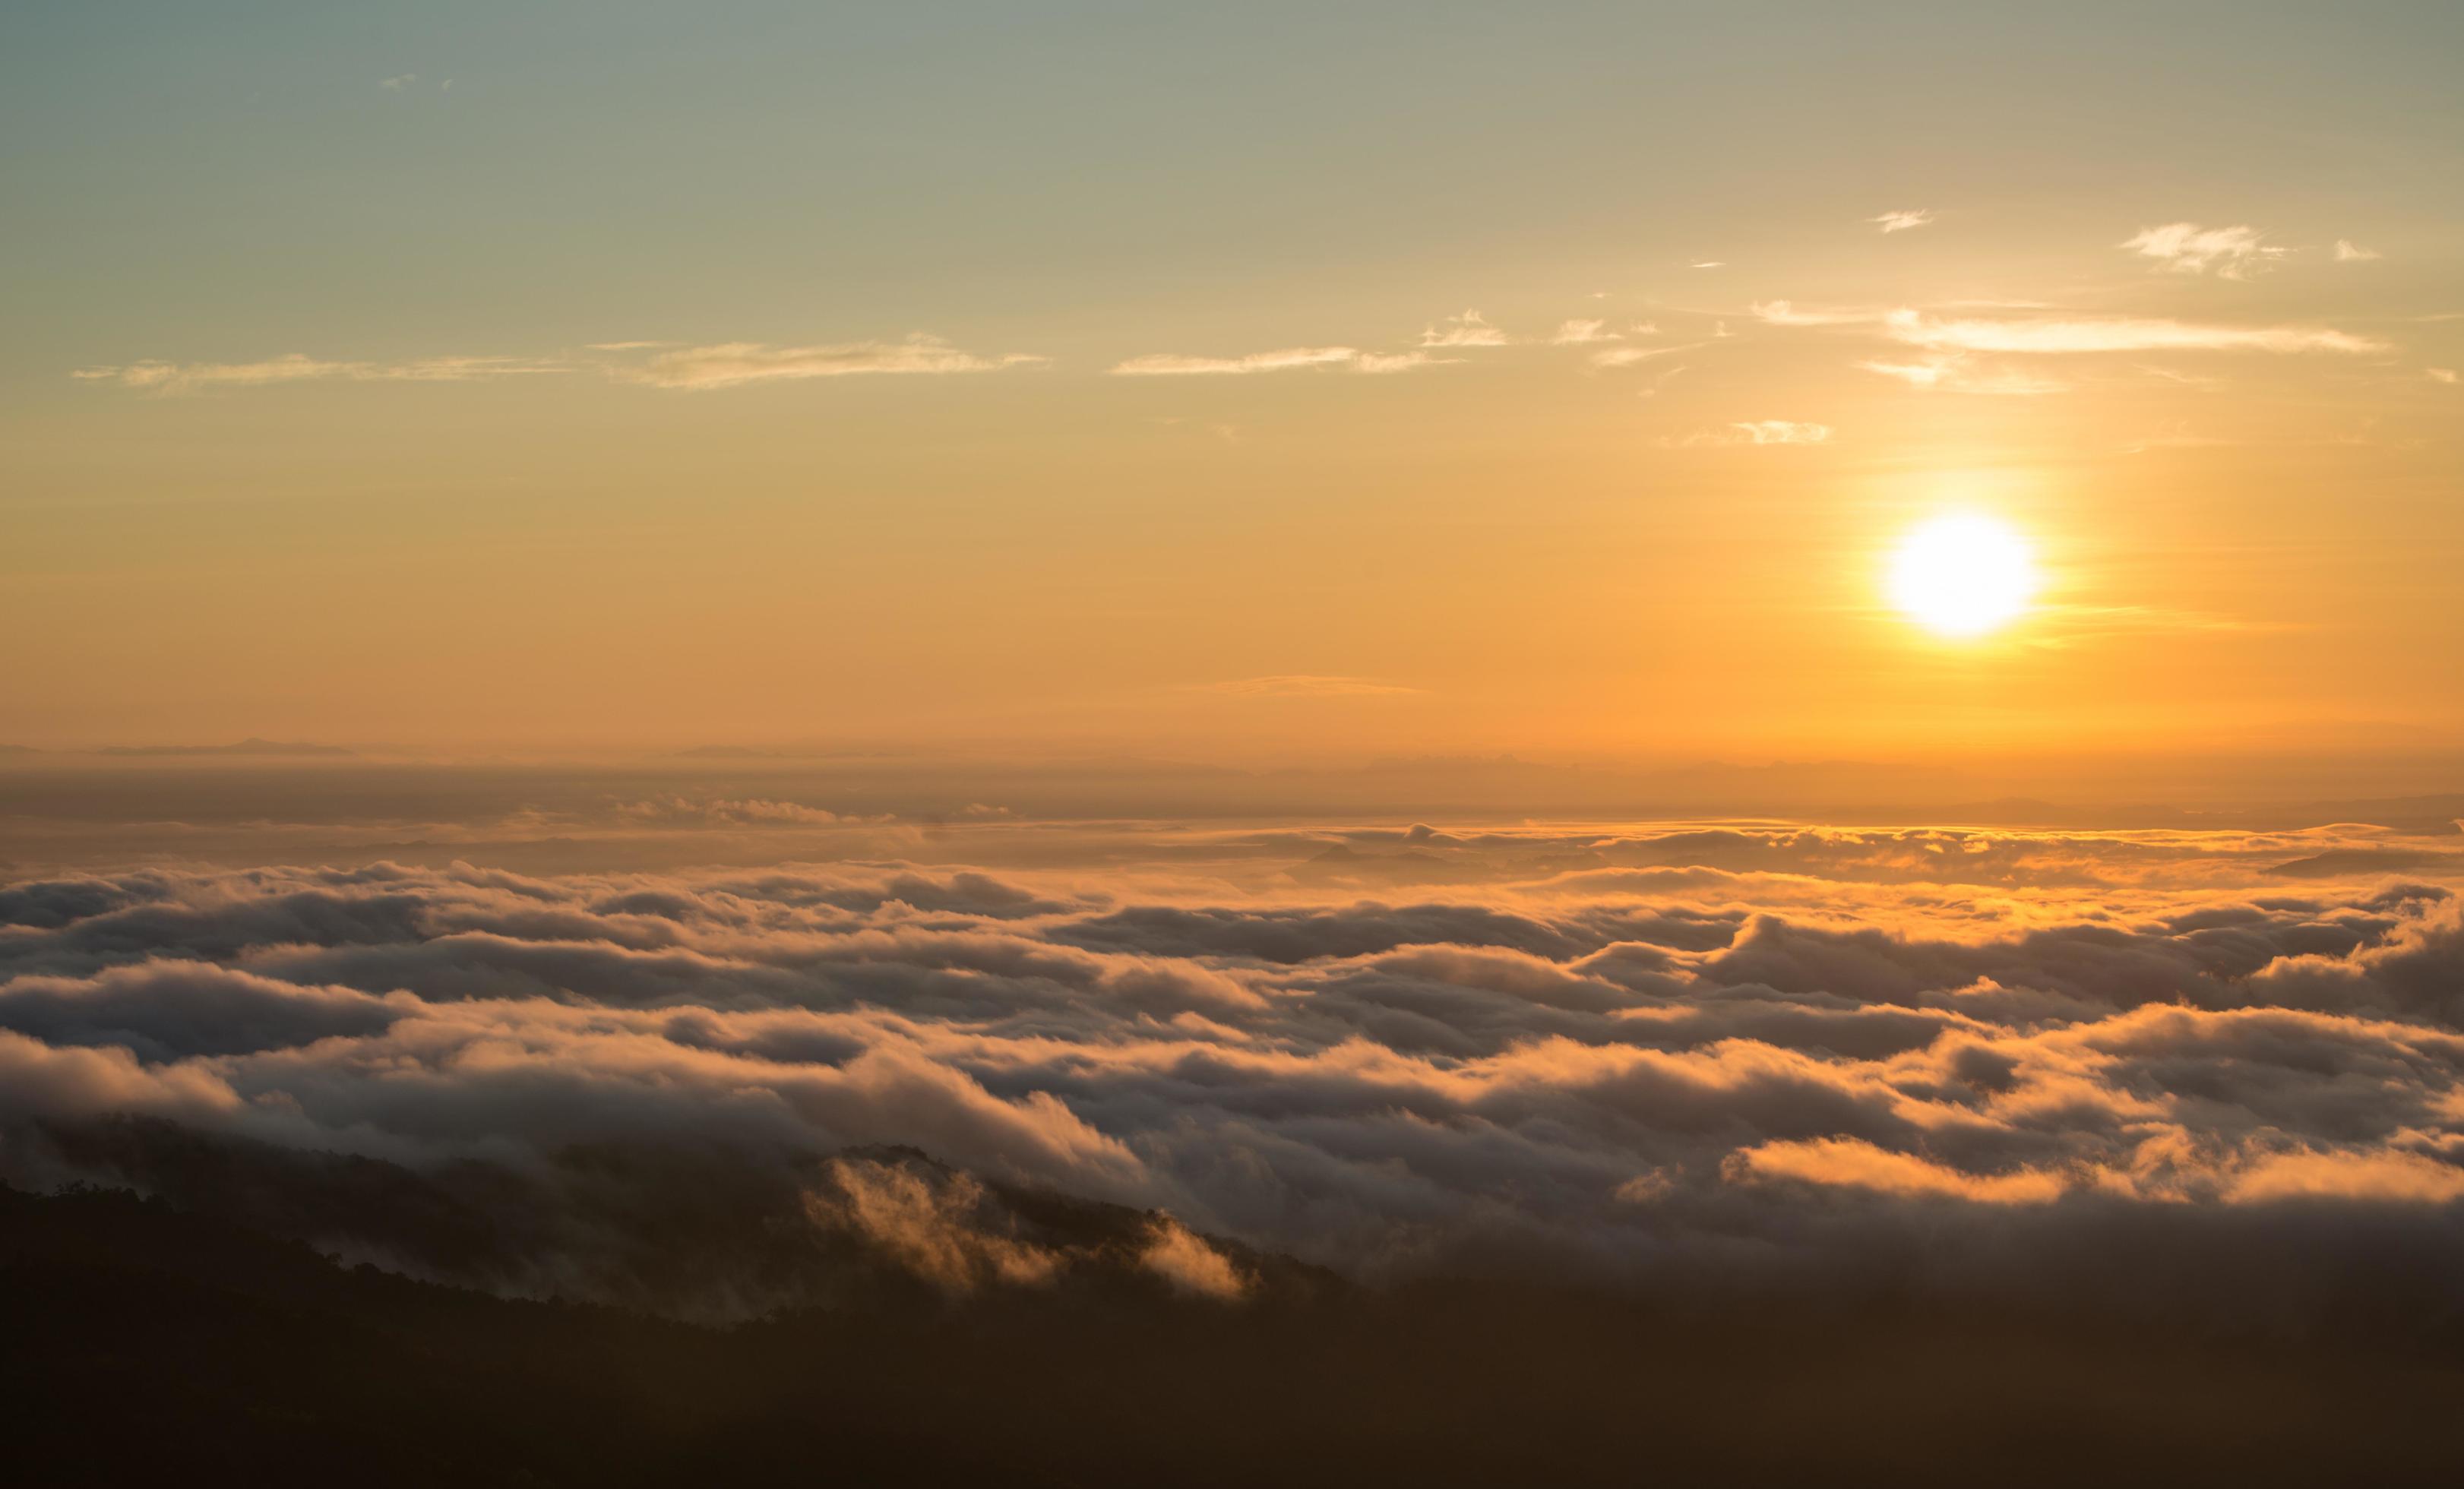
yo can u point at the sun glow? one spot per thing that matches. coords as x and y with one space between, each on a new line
1963 575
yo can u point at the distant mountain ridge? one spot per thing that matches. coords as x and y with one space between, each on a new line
249 746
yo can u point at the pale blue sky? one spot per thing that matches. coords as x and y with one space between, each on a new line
214 181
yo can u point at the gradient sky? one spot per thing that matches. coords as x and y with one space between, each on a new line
1271 380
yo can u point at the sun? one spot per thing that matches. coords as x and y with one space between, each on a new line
1963 575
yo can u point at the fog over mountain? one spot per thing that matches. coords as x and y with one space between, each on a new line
1882 1095
1767 1056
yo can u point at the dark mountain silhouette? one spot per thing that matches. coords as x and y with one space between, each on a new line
244 1351
2361 860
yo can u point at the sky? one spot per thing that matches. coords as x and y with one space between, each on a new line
1265 383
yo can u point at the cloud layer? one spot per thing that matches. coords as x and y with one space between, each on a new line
1632 1056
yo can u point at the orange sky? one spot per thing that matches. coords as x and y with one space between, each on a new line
1585 432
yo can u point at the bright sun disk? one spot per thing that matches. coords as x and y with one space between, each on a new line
1963 575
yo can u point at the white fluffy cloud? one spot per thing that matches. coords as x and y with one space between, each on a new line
2234 253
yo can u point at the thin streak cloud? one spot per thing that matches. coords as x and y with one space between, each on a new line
1787 313
1290 359
2121 334
167 377
1168 364
733 364
1954 372
1634 355
2042 335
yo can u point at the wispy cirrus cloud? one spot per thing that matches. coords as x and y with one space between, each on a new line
1956 373
1782 431
2117 334
2048 335
1169 364
1635 356
1652 388
2058 336
1290 359
2234 253
1787 313
1468 329
1373 363
735 364
168 376
1902 221
1930 373
1754 432
2349 252
728 364
1580 333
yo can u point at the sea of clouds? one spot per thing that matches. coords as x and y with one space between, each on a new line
2214 1071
